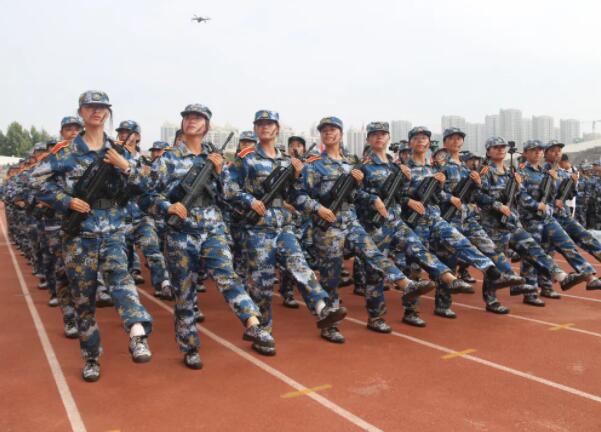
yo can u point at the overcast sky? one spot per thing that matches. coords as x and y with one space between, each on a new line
362 61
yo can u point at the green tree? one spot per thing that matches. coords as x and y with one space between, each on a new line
17 139
3 144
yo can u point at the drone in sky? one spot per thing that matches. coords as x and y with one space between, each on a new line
200 19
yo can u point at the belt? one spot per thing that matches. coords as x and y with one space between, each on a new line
103 204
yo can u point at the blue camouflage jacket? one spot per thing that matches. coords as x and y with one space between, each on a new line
419 173
530 195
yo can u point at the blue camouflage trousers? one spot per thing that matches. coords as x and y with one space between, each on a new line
186 254
449 245
267 248
552 237
146 238
84 258
330 245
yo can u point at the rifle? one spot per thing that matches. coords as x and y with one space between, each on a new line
464 191
389 192
273 186
427 189
340 192
511 188
195 182
89 188
566 189
546 186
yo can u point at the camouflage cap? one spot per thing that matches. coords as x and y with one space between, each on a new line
39 147
300 139
554 143
71 120
159 145
468 155
51 143
267 115
378 127
330 121
495 142
247 136
419 130
94 97
129 125
532 144
404 146
452 131
197 108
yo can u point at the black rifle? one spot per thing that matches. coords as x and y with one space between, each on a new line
273 186
566 189
546 187
89 188
195 182
511 188
389 192
426 191
341 190
464 191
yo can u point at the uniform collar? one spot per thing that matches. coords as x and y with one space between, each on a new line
528 165
376 159
185 152
260 152
82 147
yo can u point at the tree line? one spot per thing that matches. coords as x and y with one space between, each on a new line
18 140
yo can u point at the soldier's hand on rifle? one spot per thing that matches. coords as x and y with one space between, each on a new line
542 207
506 211
298 166
178 209
575 176
20 203
440 177
80 206
518 178
113 157
258 207
559 204
456 202
326 214
475 176
406 171
553 174
417 207
381 208
217 160
357 175
42 204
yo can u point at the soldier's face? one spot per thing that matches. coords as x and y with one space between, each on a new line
194 124
330 135
156 153
69 132
94 115
404 155
419 143
497 153
296 148
453 143
266 130
553 154
534 156
378 140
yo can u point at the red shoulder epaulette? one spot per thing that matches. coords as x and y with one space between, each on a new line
58 146
313 159
245 152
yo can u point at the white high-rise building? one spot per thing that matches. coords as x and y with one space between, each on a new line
556 135
475 138
569 130
218 134
542 128
168 132
491 123
527 130
399 130
452 121
510 125
285 133
355 141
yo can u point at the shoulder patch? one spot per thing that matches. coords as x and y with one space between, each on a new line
58 146
313 159
246 152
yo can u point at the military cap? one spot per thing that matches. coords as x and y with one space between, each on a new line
532 144
419 130
247 136
330 121
39 147
94 97
554 143
297 138
452 131
267 115
404 146
197 108
378 127
495 142
71 120
159 145
129 125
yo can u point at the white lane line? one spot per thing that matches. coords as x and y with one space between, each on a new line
481 361
523 318
73 414
347 415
